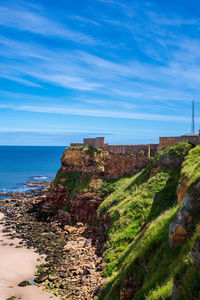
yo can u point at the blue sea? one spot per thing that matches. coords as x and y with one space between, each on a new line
19 164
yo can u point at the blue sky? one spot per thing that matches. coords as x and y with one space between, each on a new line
126 70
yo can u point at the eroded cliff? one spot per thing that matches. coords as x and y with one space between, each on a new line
152 249
147 212
86 176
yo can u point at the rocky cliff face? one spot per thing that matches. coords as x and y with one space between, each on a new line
150 220
142 214
85 174
189 198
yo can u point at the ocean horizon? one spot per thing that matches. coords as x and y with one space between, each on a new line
19 164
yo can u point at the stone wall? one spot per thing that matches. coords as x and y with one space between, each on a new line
94 142
146 149
169 141
76 144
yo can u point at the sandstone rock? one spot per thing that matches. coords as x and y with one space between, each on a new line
70 229
96 183
189 210
52 277
79 224
102 163
177 234
42 277
182 189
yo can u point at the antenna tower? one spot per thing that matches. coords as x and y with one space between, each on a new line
192 127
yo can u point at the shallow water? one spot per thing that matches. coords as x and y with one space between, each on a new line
19 164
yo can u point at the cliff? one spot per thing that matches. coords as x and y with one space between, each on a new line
86 176
145 210
153 249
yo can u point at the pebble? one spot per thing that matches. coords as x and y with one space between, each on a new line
71 267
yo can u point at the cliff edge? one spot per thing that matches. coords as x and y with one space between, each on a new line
86 177
147 213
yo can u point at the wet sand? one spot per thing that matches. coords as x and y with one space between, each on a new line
17 265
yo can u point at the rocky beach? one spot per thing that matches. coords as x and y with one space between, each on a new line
46 257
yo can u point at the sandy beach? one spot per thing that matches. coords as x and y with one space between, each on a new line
17 265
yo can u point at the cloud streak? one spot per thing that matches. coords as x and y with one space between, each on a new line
26 20
94 113
137 61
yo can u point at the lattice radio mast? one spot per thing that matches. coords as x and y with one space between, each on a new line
192 126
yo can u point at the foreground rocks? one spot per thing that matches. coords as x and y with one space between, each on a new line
72 268
186 217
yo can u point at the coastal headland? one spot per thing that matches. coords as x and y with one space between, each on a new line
104 225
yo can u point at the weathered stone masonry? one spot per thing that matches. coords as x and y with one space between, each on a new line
168 141
146 149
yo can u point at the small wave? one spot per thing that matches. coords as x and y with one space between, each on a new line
40 177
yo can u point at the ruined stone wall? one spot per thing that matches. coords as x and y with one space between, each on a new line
76 144
147 150
94 142
169 141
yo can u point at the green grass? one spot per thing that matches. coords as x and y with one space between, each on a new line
175 151
139 213
74 182
150 261
138 200
189 284
87 149
57 180
191 166
109 186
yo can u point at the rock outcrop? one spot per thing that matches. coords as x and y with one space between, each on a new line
101 163
185 219
136 220
78 185
188 193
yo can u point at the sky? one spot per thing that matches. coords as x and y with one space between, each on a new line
127 70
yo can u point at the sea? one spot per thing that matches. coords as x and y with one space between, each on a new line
19 164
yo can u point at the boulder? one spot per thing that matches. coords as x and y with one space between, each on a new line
24 283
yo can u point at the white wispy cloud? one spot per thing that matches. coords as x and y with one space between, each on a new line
20 80
94 113
111 78
24 19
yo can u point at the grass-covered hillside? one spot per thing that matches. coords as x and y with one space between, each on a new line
140 263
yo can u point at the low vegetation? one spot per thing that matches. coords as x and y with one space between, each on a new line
139 212
191 166
75 182
87 149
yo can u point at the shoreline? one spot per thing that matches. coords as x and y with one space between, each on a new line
29 187
71 269
18 264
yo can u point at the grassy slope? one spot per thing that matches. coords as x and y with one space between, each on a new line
191 166
140 212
